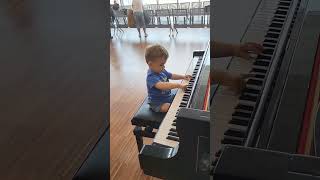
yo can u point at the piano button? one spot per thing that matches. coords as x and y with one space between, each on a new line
239 122
248 98
174 134
242 114
173 138
232 140
235 133
174 124
173 130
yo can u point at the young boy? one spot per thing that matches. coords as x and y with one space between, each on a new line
158 85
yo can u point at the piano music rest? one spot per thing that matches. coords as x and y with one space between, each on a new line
145 121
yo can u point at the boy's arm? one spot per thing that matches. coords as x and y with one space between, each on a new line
178 77
168 85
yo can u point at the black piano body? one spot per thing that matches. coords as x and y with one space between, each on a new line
281 137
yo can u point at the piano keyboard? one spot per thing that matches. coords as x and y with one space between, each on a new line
167 133
233 125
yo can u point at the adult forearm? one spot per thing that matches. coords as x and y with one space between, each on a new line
220 49
220 77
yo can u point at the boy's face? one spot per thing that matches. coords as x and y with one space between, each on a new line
157 65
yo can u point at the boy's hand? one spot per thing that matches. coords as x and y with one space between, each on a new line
244 50
183 86
187 77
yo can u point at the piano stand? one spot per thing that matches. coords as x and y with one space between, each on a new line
139 132
145 121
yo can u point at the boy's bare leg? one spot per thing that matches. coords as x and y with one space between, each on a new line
165 107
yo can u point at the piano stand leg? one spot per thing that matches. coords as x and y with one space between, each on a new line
140 133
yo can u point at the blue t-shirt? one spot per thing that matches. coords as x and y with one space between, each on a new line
157 96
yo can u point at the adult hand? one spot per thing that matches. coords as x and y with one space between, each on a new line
244 50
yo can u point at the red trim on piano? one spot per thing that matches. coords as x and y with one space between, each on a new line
310 104
207 96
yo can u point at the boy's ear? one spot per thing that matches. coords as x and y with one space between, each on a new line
149 63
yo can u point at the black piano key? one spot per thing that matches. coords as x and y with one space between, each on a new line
259 76
174 134
274 30
270 41
245 107
240 122
255 82
232 140
181 106
242 114
173 130
283 7
261 63
278 20
268 45
282 12
260 56
241 118
259 70
235 133
280 16
175 120
284 3
251 91
174 124
268 51
248 98
276 25
272 35
173 138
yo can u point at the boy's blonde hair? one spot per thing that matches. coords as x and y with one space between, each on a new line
155 51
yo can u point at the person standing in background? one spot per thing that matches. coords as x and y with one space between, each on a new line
137 7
